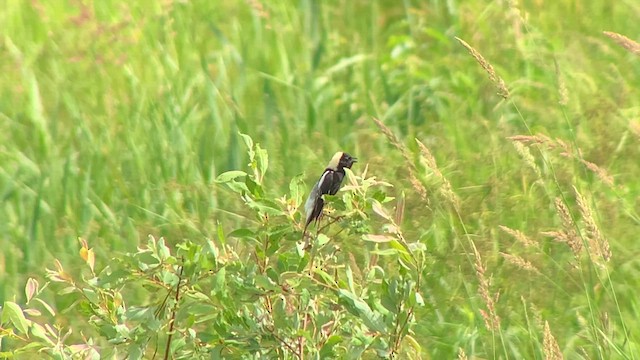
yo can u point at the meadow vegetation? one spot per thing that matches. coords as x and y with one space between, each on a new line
155 157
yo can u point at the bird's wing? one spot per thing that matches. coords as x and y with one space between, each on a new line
327 182
336 182
313 195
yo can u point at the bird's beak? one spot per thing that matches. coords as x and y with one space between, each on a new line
355 160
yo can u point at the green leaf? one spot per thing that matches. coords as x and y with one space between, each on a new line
197 295
135 352
139 314
221 238
146 259
385 252
349 275
114 278
230 175
321 240
255 188
170 278
200 309
163 250
378 209
31 288
296 189
91 295
389 297
242 233
11 312
219 280
377 238
262 159
274 242
361 309
39 332
238 187
328 279
404 253
46 306
248 141
290 262
67 290
281 319
265 283
327 350
263 207
122 330
273 275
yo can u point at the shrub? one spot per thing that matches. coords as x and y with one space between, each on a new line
250 292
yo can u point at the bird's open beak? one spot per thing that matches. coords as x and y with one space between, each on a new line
355 160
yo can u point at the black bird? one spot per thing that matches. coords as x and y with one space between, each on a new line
329 183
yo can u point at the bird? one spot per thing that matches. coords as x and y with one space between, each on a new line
329 183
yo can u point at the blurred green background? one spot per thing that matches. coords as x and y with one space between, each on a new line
115 119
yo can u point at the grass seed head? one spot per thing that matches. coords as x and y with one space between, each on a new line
624 41
493 76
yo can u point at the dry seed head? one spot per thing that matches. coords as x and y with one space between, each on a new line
515 16
606 321
544 140
461 354
634 126
520 236
533 139
537 315
418 187
574 243
551 348
497 81
393 139
565 151
605 248
449 195
563 93
428 157
624 41
520 262
602 174
598 245
565 215
529 160
446 189
568 233
491 319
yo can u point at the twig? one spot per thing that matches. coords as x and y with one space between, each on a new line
173 314
301 338
282 341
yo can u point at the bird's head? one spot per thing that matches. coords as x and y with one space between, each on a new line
341 160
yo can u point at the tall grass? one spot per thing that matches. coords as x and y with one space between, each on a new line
116 118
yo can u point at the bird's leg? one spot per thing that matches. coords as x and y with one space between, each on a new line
307 241
308 237
312 250
332 221
335 218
